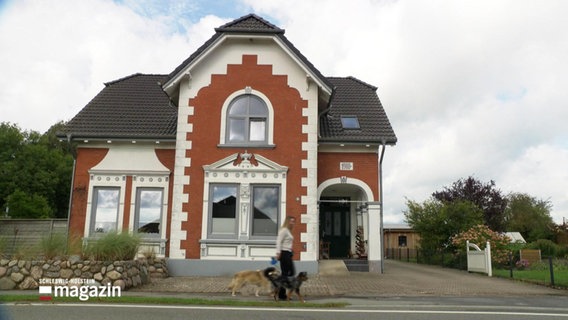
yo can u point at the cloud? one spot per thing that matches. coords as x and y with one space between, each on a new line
471 87
60 54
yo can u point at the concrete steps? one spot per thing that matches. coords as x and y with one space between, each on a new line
357 265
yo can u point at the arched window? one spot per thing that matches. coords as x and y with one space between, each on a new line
247 120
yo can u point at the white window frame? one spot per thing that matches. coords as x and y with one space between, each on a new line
94 214
149 182
278 213
246 176
104 181
138 208
224 139
210 233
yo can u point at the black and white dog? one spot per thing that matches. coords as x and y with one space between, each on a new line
291 284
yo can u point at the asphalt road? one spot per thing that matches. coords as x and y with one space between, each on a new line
429 308
404 291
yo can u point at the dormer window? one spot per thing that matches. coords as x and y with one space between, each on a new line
350 122
247 118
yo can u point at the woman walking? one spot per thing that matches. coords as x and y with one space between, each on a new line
284 254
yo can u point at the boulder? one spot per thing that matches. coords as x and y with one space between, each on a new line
113 275
36 272
66 273
74 259
98 277
120 283
17 277
7 284
28 283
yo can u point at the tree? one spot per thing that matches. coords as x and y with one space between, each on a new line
23 205
12 141
485 196
529 216
36 165
437 221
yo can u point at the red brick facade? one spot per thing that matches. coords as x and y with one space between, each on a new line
86 159
206 119
366 168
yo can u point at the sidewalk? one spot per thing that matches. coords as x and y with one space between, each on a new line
398 279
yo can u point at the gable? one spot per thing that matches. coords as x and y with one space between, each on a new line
249 30
245 162
128 159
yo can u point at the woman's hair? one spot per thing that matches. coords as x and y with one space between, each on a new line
286 223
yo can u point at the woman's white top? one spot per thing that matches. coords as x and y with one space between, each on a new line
284 240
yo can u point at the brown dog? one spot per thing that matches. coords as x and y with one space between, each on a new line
252 277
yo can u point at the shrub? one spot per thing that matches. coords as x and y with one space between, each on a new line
113 246
3 247
24 205
53 246
522 264
562 251
547 247
25 251
479 235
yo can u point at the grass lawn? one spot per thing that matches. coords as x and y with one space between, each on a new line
536 276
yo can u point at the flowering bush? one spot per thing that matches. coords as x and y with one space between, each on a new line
479 235
522 264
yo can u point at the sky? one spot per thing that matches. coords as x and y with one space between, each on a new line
472 88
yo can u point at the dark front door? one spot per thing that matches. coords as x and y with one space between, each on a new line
335 227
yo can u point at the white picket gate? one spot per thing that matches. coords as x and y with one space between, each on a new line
479 260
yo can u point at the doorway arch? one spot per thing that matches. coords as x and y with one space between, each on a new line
342 210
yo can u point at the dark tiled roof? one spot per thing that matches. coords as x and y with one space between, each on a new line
250 23
128 108
353 97
136 107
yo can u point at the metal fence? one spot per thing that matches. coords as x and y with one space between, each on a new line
548 270
18 234
404 254
440 257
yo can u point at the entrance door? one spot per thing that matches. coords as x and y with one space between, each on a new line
335 227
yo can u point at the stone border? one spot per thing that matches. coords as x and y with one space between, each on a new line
29 274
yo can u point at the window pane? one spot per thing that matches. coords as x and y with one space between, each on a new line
106 210
257 107
265 215
402 241
149 215
350 122
257 129
224 209
247 120
236 130
239 106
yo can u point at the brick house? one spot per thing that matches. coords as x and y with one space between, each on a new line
205 162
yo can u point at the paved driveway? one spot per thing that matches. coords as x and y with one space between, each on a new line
409 279
399 279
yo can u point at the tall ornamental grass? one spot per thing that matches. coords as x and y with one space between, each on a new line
113 246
